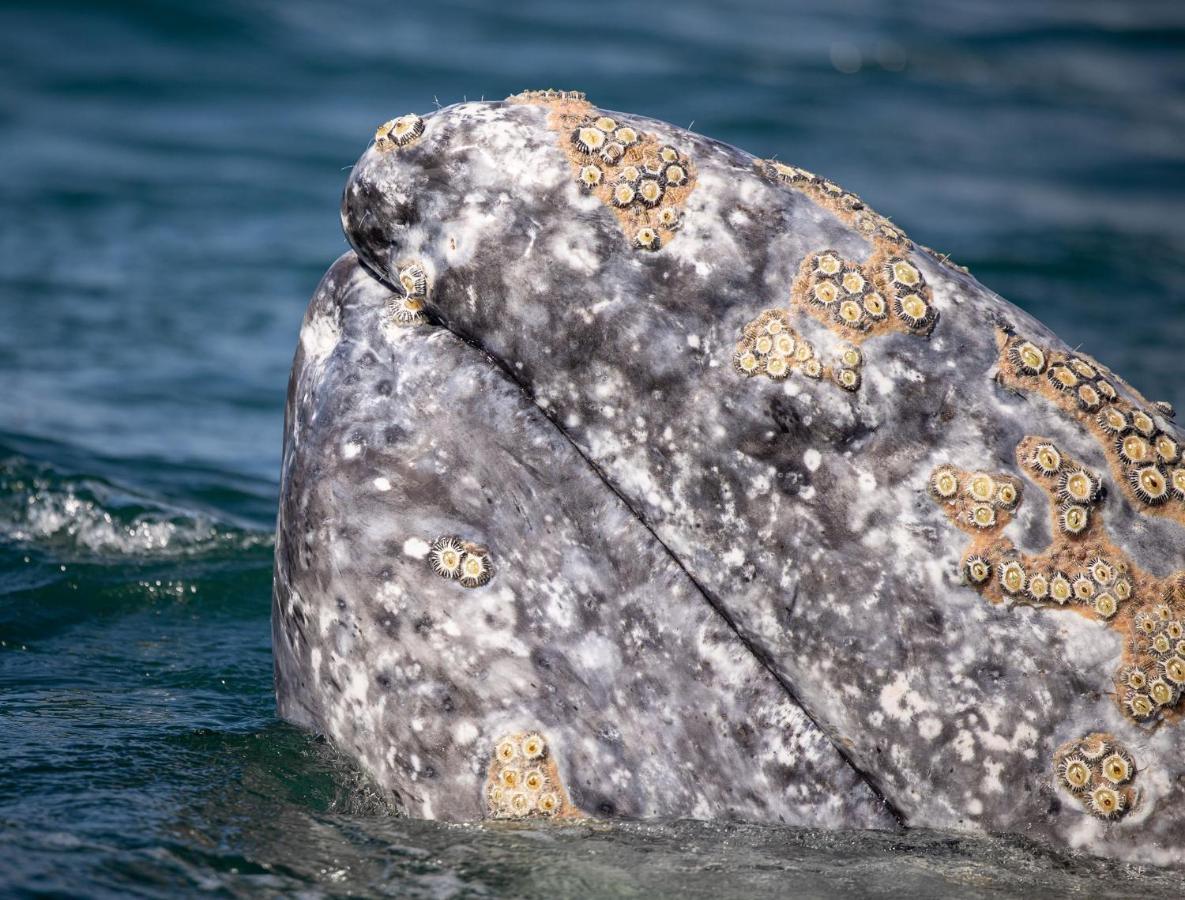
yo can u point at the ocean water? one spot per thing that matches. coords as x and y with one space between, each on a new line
169 181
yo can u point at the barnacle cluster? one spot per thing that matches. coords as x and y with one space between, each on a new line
406 307
643 180
548 95
1082 570
1145 456
455 559
523 780
887 293
1099 772
398 132
770 347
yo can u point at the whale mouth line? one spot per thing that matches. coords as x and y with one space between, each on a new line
434 319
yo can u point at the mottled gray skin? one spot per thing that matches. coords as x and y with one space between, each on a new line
792 514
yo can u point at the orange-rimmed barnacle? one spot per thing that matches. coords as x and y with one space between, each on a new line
784 344
1175 630
825 293
763 343
1101 571
851 357
1145 622
944 483
650 191
803 352
612 153
828 263
1046 459
406 311
1075 773
852 281
534 780
533 746
670 218
590 176
777 367
1012 577
495 796
1163 612
745 361
509 778
1177 481
414 280
1150 484
914 311
1122 588
521 803
1173 669
1027 358
1084 588
901 271
977 569
1133 677
1078 486
1106 802
1167 449
1007 495
1106 605
1143 423
1060 589
476 568
1138 705
1106 389
1093 747
589 139
875 306
548 803
1134 448
674 175
1083 368
445 555
605 123
1161 692
1073 518
812 368
646 238
1161 644
1117 768
983 515
629 174
1088 397
982 487
623 194
398 132
668 154
1113 420
1062 378
851 313
626 136
1038 587
848 379
506 750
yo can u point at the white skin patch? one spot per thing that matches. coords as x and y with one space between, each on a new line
382 484
813 459
416 548
320 336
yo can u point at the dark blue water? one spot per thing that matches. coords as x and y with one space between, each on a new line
169 181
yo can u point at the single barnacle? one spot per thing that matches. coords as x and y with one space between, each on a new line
1165 408
1074 773
1177 479
825 293
1027 358
784 344
670 218
533 746
646 238
850 313
674 175
626 136
1150 484
1060 588
1107 390
874 305
1078 486
981 487
1143 423
1174 670
812 368
852 281
398 132
1175 630
406 311
1163 612
413 280
444 555
509 778
903 272
1106 803
623 194
983 515
1145 622
804 352
1084 588
1046 459
1101 571
1083 368
1073 518
1161 644
1117 768
1179 649
534 780
1038 587
590 176
851 357
1113 420
1161 692
1012 577
476 569
777 367
507 750
914 311
588 139
548 803
521 803
828 263
977 569
1134 449
763 344
650 191
1062 378
1106 605
848 379
1123 588
1139 705
1088 397
605 123
944 483
1134 677
1166 448
1092 747
668 154
629 174
612 153
652 165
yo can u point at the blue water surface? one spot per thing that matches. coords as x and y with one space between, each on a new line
169 182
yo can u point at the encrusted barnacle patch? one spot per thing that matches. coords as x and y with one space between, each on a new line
643 181
769 346
1099 773
523 780
1082 570
548 95
455 559
887 293
398 132
1144 456
406 306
